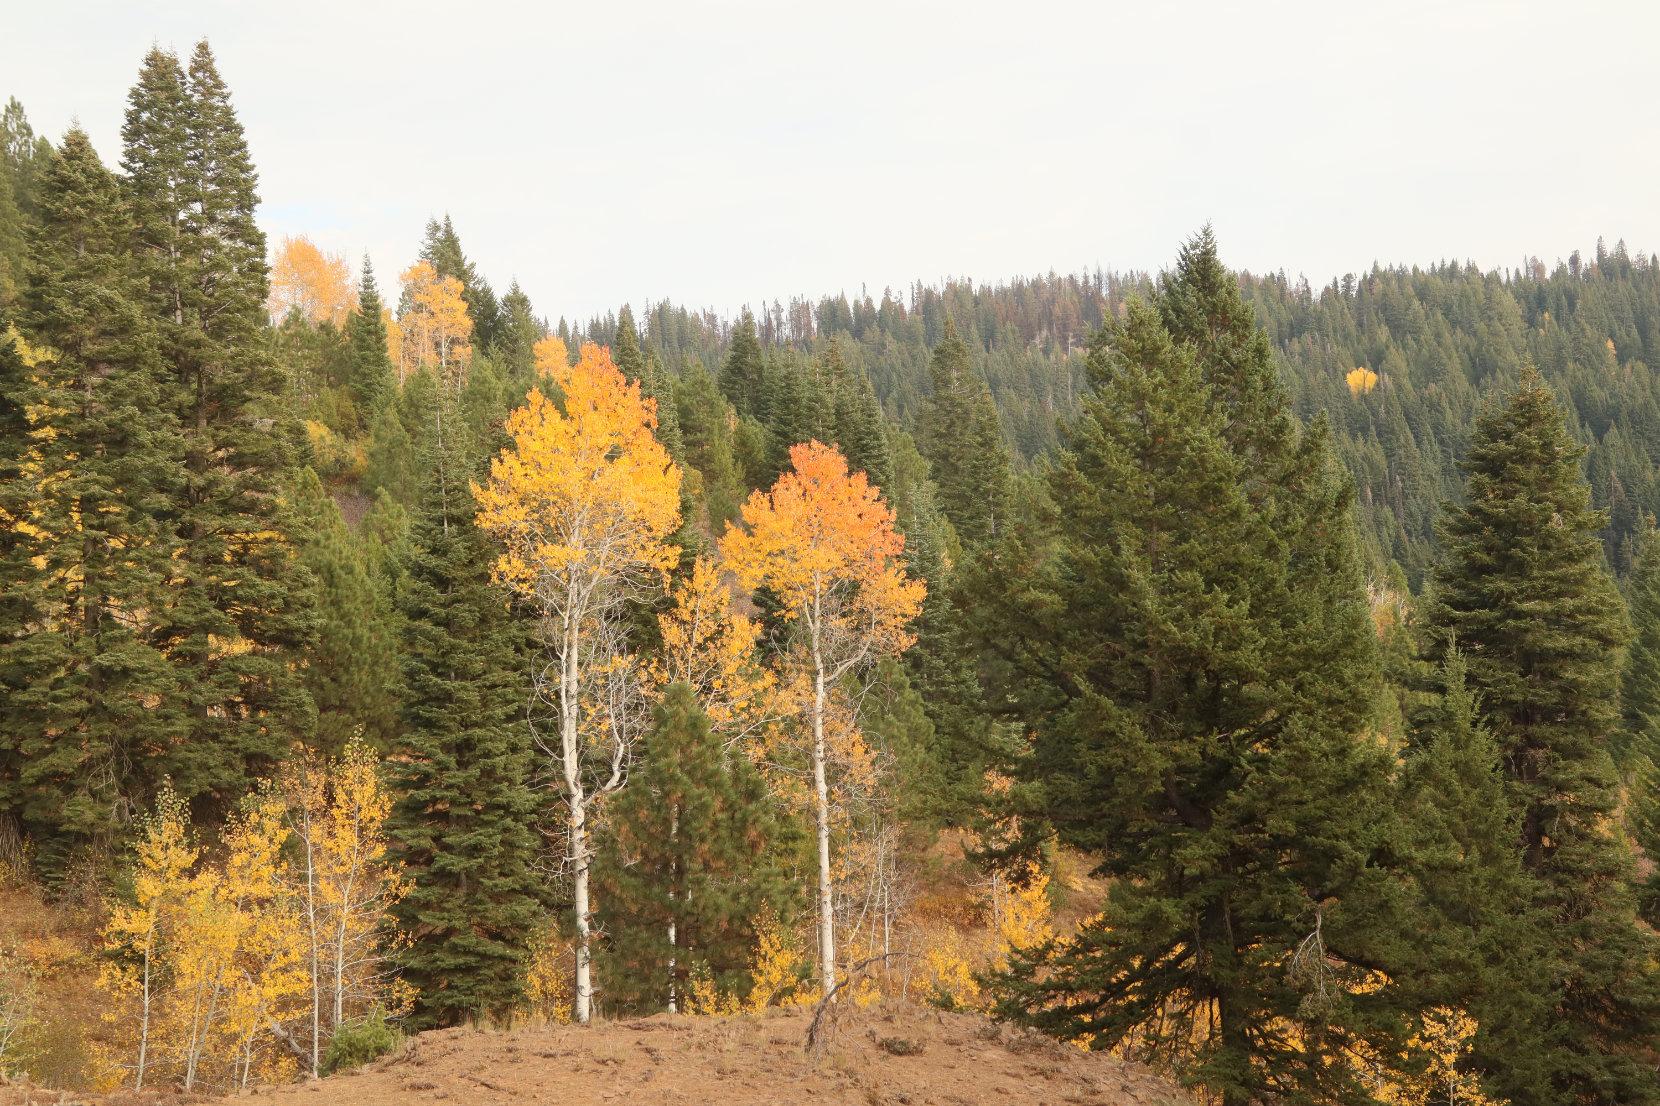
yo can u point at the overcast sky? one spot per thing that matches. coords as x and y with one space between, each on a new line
722 153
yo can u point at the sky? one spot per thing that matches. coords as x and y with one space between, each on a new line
725 153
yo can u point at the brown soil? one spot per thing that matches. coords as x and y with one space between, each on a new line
886 1056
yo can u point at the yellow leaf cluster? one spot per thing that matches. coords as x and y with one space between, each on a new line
1361 381
1430 1073
317 284
585 495
220 967
435 332
709 646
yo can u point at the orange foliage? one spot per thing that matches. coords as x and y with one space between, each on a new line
825 542
585 494
317 284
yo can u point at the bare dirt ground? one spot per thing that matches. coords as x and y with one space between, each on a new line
884 1056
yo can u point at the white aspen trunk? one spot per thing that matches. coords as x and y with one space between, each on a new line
144 1016
569 683
821 794
316 952
674 832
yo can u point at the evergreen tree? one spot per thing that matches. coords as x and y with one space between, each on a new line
465 818
1198 721
1639 734
371 378
1524 592
351 662
238 620
625 346
860 429
442 249
692 863
1478 942
958 433
520 331
741 374
90 711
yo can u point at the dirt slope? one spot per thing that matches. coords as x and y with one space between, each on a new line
888 1056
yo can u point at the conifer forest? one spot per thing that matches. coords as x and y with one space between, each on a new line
1254 680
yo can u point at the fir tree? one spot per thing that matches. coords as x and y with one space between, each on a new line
371 378
958 432
1198 723
1524 592
352 661
741 374
1639 734
516 342
91 715
1478 942
692 864
238 620
465 819
442 249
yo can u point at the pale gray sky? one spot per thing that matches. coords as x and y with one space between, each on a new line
721 153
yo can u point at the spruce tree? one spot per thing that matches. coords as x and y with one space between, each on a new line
442 250
1639 734
1524 592
351 664
958 432
1198 726
465 819
741 374
238 620
1478 942
692 863
516 342
91 705
371 378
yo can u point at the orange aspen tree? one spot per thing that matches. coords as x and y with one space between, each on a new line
317 284
584 502
825 543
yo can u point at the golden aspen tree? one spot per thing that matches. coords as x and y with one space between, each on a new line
550 355
584 502
317 284
133 934
711 648
825 543
435 331
345 883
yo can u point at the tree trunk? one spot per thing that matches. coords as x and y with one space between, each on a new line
571 754
821 794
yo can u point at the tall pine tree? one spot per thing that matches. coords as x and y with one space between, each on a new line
238 621
1198 725
371 377
91 712
1524 593
465 819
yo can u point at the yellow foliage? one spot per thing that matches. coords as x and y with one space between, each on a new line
548 978
710 647
434 332
306 279
1361 381
217 969
585 495
552 357
1024 916
1429 1074
779 966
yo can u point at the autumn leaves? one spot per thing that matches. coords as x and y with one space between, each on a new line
586 504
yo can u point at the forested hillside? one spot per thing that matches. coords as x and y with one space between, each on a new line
1201 668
